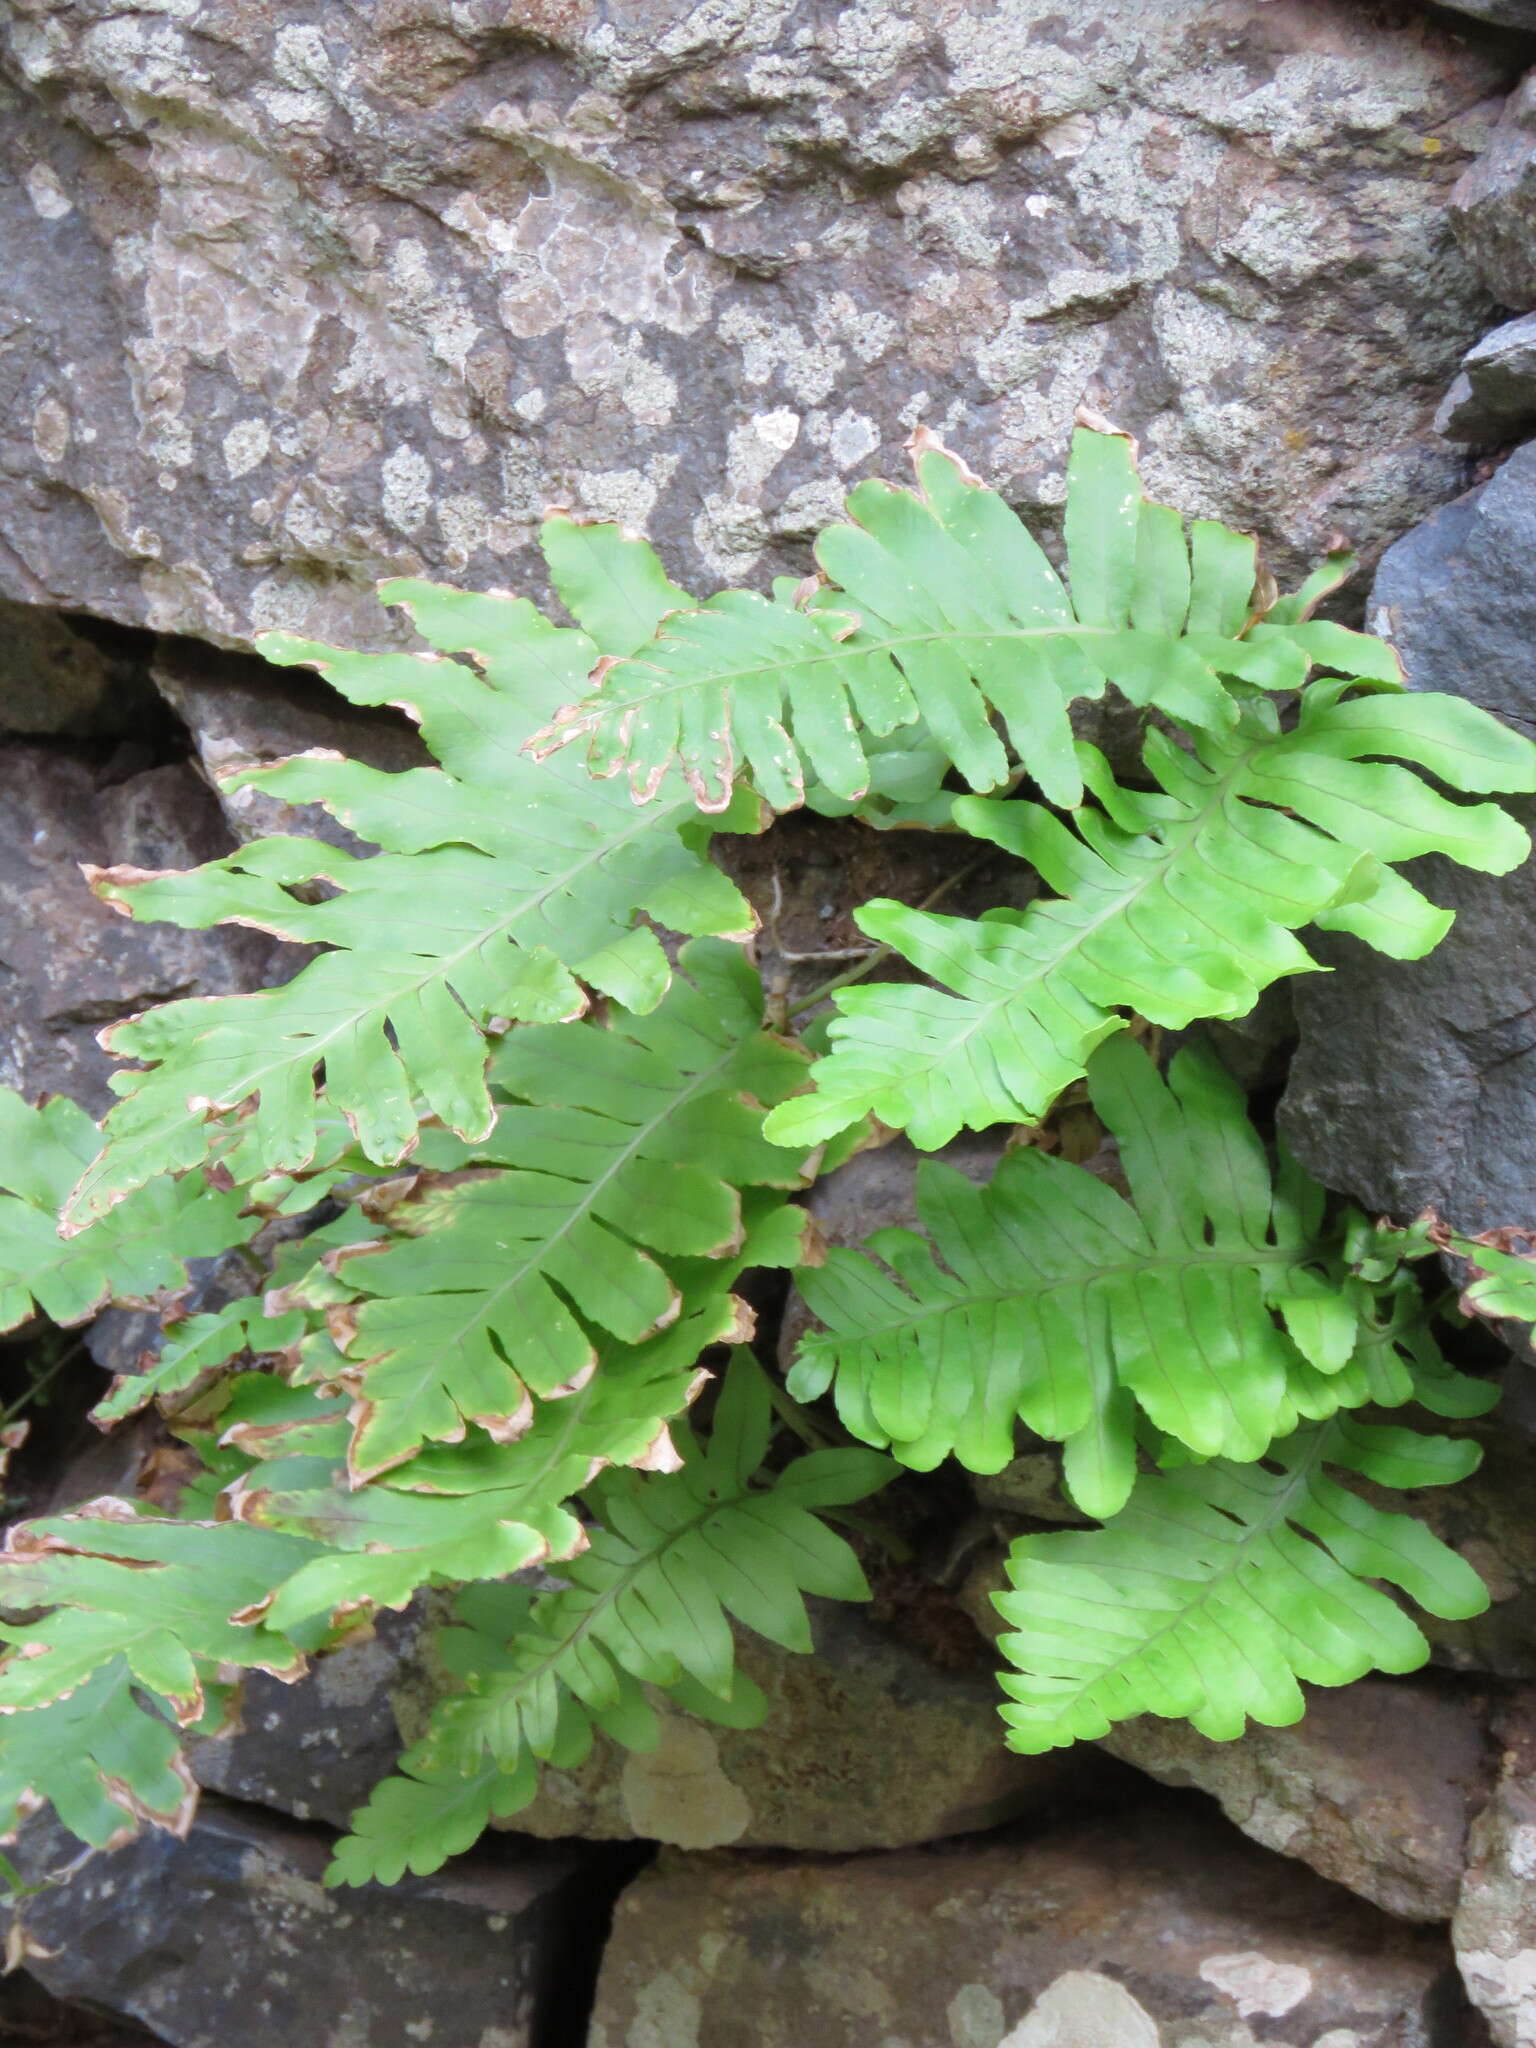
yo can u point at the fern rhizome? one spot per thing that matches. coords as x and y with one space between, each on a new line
539 1142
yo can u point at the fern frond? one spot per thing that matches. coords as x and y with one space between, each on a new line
1213 1297
501 889
138 1252
161 1595
103 1760
624 1146
1219 1588
939 609
1178 904
673 1556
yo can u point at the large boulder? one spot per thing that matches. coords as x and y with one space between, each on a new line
1157 1929
1415 1081
230 1940
292 303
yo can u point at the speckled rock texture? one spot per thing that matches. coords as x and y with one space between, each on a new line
869 1744
1493 205
229 1940
1415 1081
1374 1788
298 296
1158 1929
1495 1926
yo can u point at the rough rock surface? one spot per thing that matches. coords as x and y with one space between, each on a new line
1159 1929
1494 398
296 298
1493 205
1415 1081
229 1940
68 964
867 1745
316 1749
1495 1926
1374 1788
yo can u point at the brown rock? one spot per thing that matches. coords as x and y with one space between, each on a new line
1374 1788
1157 1929
867 1745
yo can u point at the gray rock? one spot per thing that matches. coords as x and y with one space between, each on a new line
1374 1788
1415 1081
316 1749
868 1744
1493 204
68 964
1160 1928
1495 1926
229 1940
241 711
299 302
1494 398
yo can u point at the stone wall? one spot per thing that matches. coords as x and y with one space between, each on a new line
292 298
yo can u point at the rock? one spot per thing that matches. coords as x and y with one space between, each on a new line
61 675
229 1940
71 965
1513 14
1493 204
240 711
1494 1931
307 301
1415 1081
824 1771
1374 1788
28 2013
1157 1929
316 1749
1494 398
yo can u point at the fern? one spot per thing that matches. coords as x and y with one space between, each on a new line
134 1255
501 889
1213 1298
1218 1588
468 1319
482 1362
939 606
1177 905
672 1557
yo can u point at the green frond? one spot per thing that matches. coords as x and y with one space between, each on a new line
937 610
104 1761
1175 905
671 1558
501 891
137 1252
621 1148
1213 1298
1218 1589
